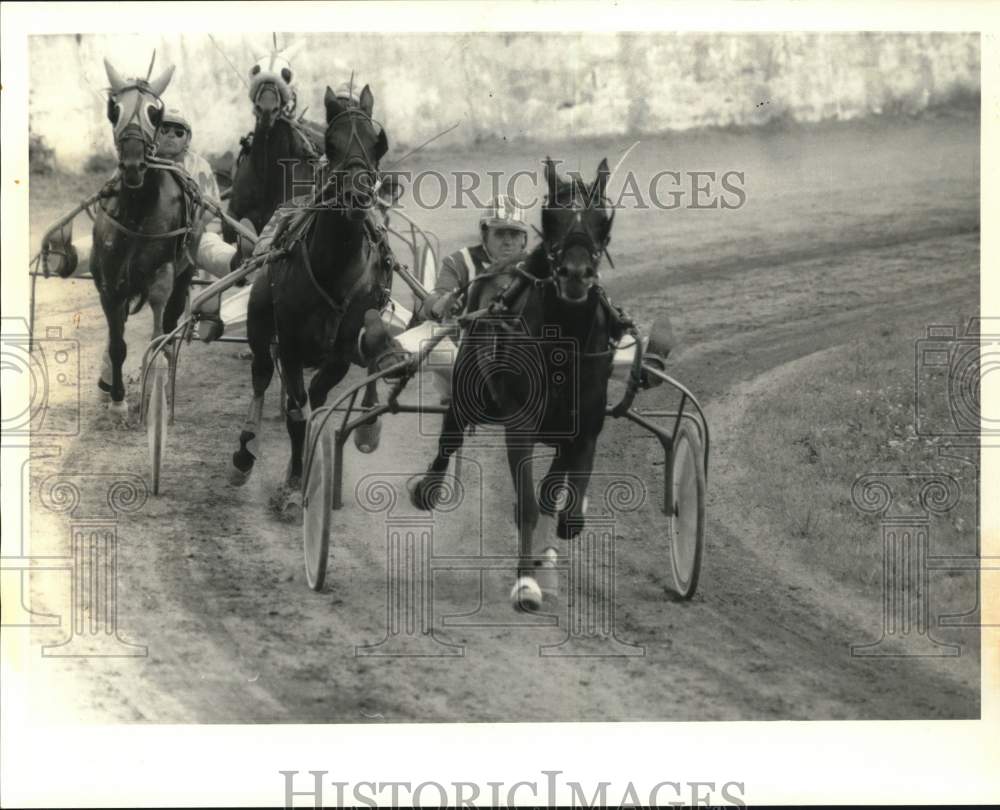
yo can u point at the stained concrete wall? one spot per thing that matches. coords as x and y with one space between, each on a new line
515 85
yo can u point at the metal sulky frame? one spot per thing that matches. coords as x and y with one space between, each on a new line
685 444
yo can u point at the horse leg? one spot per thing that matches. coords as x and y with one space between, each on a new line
107 372
368 435
526 594
552 500
175 303
116 313
427 491
551 491
579 466
324 380
295 418
260 331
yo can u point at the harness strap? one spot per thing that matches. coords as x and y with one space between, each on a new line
143 234
469 264
356 287
304 252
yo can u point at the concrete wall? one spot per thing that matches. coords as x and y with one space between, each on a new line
514 85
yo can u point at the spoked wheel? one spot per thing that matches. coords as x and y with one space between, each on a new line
317 505
686 510
157 417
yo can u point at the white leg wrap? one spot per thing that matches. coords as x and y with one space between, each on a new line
526 595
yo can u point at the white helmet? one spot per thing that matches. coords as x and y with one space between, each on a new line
503 212
348 93
172 115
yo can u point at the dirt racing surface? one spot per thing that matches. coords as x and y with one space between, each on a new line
843 231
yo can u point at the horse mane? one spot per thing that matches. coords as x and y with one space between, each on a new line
307 147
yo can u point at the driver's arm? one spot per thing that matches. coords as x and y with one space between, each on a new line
449 279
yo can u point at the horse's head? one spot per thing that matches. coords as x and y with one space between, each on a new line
576 229
270 87
135 111
354 145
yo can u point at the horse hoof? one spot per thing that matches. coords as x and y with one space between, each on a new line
238 477
367 437
244 458
526 596
425 493
105 390
291 506
119 409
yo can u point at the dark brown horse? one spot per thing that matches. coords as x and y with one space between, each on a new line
314 299
277 159
141 228
541 370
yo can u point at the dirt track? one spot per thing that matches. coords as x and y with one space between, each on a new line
843 231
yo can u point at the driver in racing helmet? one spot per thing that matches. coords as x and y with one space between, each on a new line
213 256
503 235
347 95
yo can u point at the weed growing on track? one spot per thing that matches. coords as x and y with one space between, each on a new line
811 439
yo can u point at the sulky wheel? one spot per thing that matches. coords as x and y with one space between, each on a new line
317 505
156 418
686 509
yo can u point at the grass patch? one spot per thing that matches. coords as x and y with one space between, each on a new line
805 444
